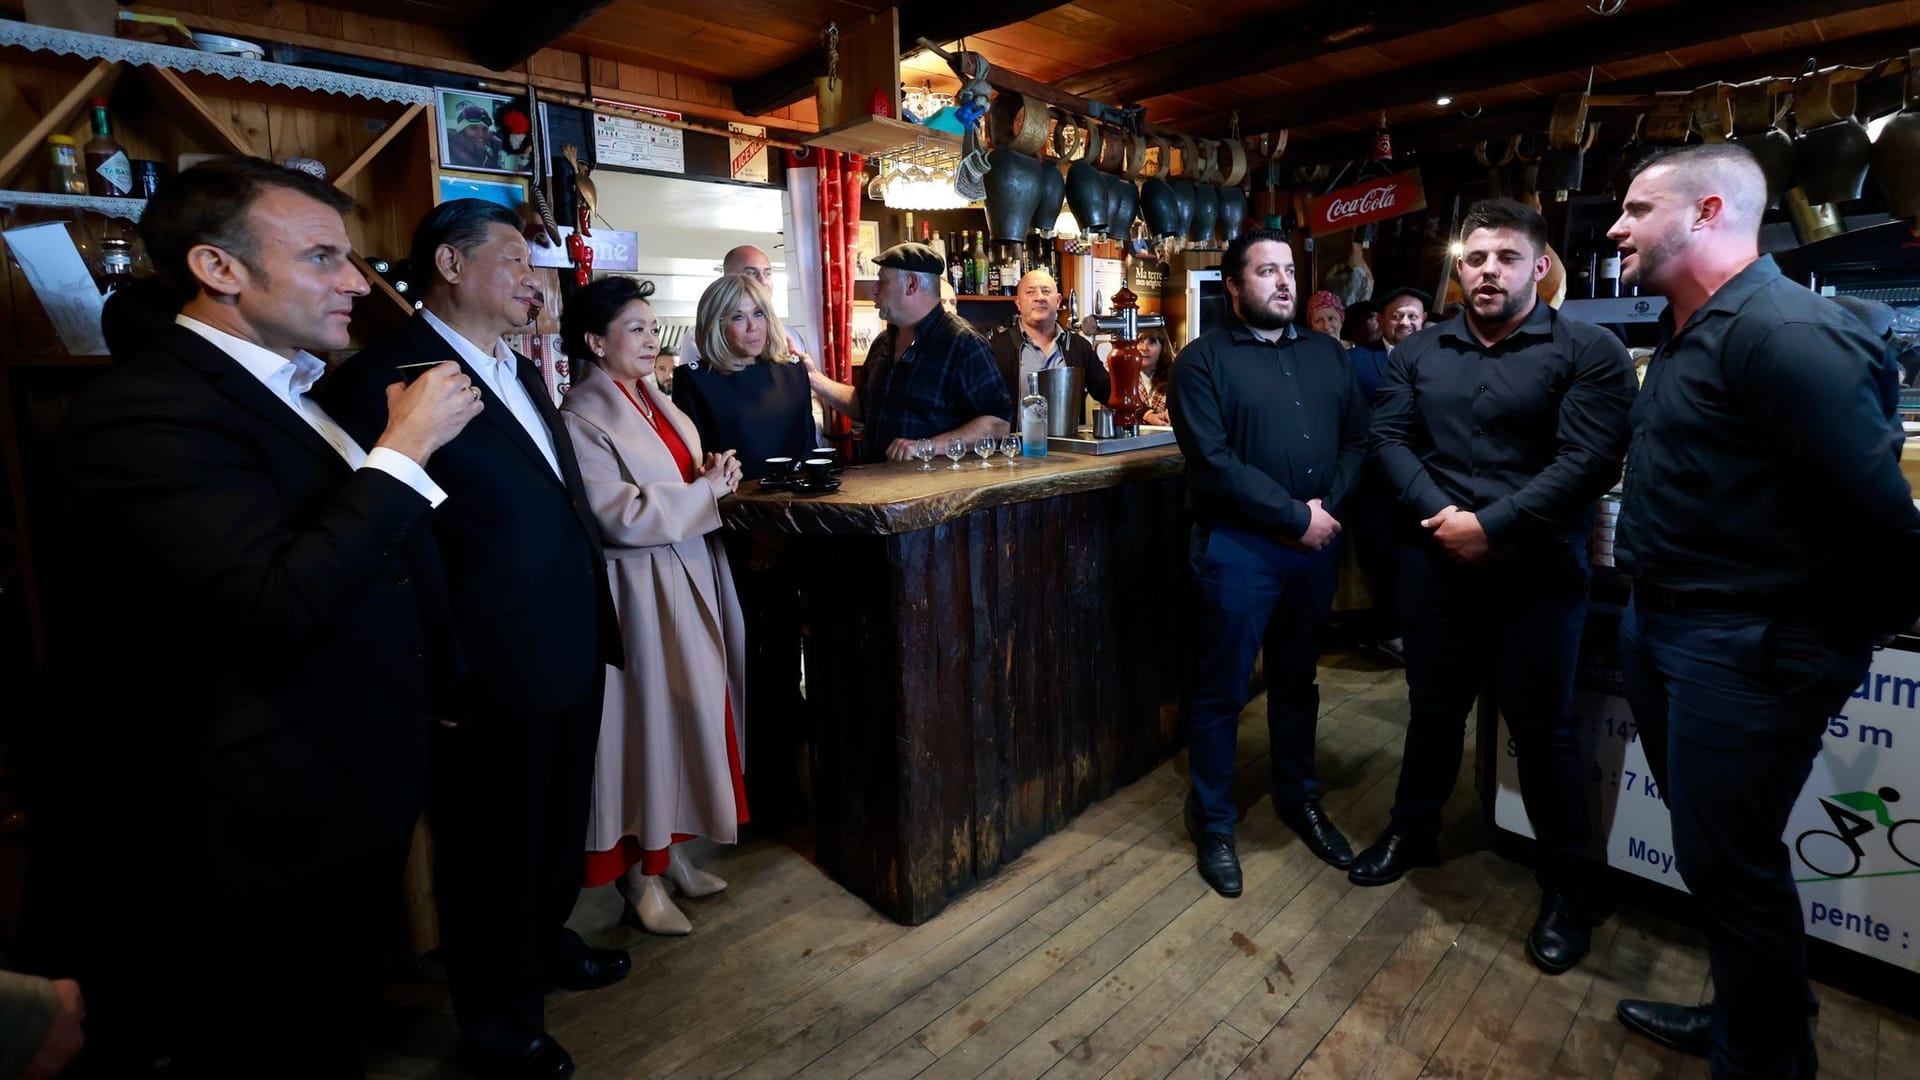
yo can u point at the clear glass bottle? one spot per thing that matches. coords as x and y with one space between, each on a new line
1033 419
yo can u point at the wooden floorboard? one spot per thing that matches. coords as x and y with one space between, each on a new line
1100 953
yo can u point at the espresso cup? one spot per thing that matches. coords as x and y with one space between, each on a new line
828 452
779 469
818 471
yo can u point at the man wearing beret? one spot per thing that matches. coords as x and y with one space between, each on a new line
930 375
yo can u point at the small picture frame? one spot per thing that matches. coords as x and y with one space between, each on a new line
511 194
865 250
489 133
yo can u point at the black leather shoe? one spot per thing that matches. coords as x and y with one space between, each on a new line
591 969
1219 864
540 1058
1682 1027
1317 829
1560 937
1391 856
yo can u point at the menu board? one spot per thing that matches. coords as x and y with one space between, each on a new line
635 144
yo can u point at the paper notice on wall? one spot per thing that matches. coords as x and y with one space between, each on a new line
629 142
47 255
1109 277
748 152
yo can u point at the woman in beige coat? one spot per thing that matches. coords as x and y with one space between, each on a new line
671 735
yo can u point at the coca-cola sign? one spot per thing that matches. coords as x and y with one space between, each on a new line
1371 200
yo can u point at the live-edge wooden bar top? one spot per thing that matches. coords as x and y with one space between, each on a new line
988 652
897 497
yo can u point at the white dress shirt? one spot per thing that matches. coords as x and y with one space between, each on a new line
289 381
499 372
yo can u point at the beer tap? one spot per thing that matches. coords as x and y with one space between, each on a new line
1123 365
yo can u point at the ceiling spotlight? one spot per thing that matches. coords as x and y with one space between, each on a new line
1443 101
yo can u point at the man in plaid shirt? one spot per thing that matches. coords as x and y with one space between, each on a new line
930 375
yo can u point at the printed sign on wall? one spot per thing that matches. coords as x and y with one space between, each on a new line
748 152
1371 200
1854 834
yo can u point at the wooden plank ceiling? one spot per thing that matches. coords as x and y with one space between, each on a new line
1324 69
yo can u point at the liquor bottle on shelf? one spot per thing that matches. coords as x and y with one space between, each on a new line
956 268
979 262
1010 271
932 239
993 276
1033 419
108 170
1607 278
1582 264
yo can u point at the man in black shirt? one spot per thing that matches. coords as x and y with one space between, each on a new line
1771 538
1498 430
1273 429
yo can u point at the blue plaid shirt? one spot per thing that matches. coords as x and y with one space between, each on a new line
946 378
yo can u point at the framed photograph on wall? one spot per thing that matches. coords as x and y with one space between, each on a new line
484 132
865 250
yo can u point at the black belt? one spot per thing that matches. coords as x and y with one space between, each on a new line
1650 597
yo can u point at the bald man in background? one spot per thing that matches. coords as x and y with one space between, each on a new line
1038 342
751 261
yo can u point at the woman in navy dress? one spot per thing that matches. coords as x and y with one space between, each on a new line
747 393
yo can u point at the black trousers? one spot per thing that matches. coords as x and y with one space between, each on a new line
1518 622
511 794
1731 708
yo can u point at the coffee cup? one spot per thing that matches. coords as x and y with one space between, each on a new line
779 469
828 452
818 471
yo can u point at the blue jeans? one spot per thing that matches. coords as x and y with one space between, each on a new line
1255 593
1515 625
1731 707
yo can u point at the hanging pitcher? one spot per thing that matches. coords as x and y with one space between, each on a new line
1896 153
1830 155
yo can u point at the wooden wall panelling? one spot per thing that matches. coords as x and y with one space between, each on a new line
98 81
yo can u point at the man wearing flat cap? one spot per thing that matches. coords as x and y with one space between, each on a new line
930 375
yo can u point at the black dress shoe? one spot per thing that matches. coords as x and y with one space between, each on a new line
1219 865
591 969
1560 937
540 1058
1391 856
1683 1027
1317 829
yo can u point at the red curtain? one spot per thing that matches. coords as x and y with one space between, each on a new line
841 184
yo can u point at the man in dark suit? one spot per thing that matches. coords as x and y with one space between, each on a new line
255 755
536 626
1038 341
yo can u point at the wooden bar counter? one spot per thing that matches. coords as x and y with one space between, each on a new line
989 651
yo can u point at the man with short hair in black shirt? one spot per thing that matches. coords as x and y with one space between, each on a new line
1273 428
1498 430
1771 539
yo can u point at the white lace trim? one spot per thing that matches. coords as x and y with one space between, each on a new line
120 208
95 47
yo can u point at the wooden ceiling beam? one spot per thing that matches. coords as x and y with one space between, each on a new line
1456 131
1573 48
509 33
790 82
1270 42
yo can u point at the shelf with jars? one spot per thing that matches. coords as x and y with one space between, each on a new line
372 139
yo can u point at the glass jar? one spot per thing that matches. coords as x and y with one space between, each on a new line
68 175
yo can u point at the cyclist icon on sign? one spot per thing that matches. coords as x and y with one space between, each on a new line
1837 854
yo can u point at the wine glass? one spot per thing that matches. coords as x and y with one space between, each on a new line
1010 446
923 453
956 449
985 447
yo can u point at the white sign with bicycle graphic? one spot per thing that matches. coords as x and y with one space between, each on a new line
1854 833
